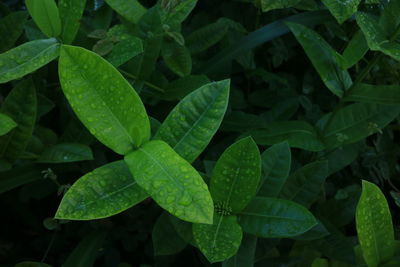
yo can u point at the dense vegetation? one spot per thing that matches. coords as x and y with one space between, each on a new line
199 133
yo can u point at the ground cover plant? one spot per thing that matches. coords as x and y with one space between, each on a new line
199 133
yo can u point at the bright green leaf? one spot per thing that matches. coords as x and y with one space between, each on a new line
103 100
342 10
11 27
220 240
66 152
70 14
46 16
104 192
27 58
374 225
379 94
130 10
177 58
275 218
193 122
236 176
6 124
171 181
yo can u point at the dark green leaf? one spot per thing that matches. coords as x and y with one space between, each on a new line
46 16
66 152
6 124
11 27
177 58
70 14
342 10
379 94
131 10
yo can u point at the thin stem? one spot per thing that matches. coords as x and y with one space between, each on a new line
130 75
49 247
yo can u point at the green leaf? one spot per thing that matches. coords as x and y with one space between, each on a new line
21 106
104 192
18 176
306 183
374 225
389 19
267 5
27 58
180 12
125 50
66 152
6 124
236 176
355 50
275 218
245 257
86 251
220 240
70 14
276 162
342 10
130 10
45 14
177 58
323 58
171 181
190 126
379 94
355 122
103 100
11 28
298 134
181 87
166 240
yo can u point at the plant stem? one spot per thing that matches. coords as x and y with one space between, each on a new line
130 75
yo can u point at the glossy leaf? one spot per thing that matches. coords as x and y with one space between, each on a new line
103 100
130 10
21 106
66 152
355 122
104 192
220 240
177 58
342 10
276 162
171 181
379 94
267 5
305 184
6 124
46 16
27 58
11 28
374 225
236 176
193 122
70 14
166 241
323 57
298 134
275 218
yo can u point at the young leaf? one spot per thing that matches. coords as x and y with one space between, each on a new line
180 12
27 58
104 192
21 106
6 124
220 240
298 134
306 183
171 181
11 27
236 176
70 14
103 100
323 57
275 218
276 162
379 94
193 122
131 10
66 152
45 14
374 225
355 122
166 240
177 58
342 10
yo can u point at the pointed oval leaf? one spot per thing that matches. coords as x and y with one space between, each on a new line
236 176
131 10
66 152
11 28
125 50
276 218
6 124
180 12
342 10
374 225
177 58
27 58
379 94
171 181
193 122
70 14
21 106
220 240
104 192
103 100
46 16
